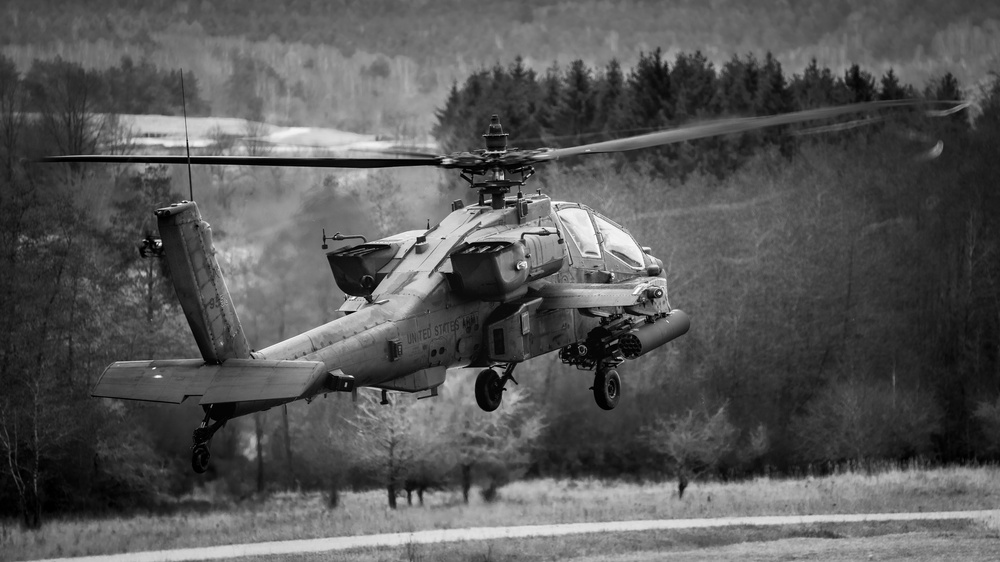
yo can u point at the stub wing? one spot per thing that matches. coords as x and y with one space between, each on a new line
633 293
237 380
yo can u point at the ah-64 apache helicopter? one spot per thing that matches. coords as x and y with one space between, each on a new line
494 284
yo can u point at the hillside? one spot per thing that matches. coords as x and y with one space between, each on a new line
385 66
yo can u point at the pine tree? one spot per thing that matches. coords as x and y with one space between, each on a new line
817 88
576 108
610 114
738 84
694 80
891 88
860 84
651 93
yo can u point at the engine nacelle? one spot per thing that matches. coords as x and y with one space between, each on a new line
648 337
357 268
499 267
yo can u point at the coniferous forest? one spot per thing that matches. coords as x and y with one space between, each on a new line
842 280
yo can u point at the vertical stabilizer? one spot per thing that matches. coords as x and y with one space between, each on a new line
201 289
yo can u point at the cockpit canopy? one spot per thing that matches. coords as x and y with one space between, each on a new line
595 238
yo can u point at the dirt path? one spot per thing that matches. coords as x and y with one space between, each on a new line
277 548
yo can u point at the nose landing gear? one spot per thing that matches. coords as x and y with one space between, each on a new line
607 388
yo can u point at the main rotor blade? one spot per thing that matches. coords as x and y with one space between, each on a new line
716 128
302 162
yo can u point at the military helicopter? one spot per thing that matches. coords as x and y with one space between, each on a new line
494 284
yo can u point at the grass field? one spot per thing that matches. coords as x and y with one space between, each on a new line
923 540
300 516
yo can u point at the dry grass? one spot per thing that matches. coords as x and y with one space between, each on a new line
288 516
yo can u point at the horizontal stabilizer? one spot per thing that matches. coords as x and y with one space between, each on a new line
236 380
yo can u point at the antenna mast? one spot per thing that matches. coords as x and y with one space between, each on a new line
187 142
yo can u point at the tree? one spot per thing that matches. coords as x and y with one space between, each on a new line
196 106
497 443
693 443
383 194
251 83
738 84
136 88
694 81
321 435
551 87
858 421
70 101
860 84
891 88
609 113
518 104
385 445
989 119
817 88
574 114
12 114
737 94
947 88
62 324
774 98
651 91
988 415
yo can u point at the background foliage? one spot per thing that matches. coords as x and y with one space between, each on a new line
384 66
844 288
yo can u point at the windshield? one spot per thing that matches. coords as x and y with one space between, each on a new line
619 243
581 230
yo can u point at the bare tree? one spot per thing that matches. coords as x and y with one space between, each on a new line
694 442
857 420
383 197
384 440
222 144
69 101
498 443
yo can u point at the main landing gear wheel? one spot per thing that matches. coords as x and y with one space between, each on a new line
200 457
607 388
489 390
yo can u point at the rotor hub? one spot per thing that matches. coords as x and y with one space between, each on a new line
496 139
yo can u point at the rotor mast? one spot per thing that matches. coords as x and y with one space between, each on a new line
496 169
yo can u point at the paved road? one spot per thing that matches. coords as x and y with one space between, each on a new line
486 533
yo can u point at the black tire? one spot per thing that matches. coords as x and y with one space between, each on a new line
489 390
199 458
607 389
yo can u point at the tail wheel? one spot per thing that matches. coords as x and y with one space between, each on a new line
607 388
489 390
199 458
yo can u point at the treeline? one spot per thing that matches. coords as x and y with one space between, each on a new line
580 104
72 297
435 30
843 295
75 296
336 65
129 88
843 305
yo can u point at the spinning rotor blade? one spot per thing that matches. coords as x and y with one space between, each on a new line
303 162
716 128
480 161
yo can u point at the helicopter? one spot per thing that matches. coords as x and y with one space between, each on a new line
494 284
